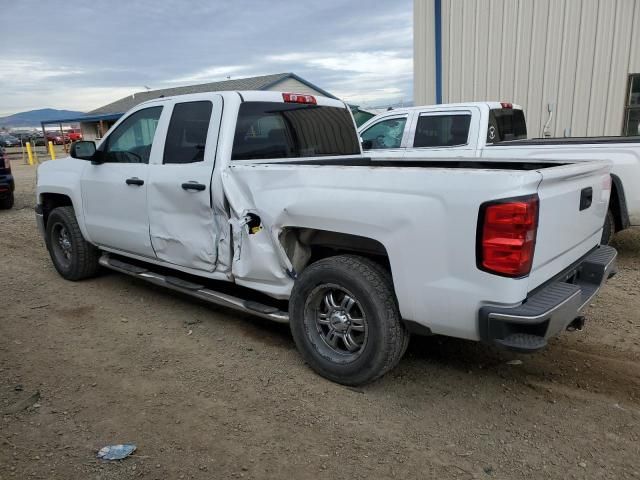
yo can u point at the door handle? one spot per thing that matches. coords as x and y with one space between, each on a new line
586 198
134 181
193 186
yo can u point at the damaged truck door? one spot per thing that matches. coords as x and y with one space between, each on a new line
181 222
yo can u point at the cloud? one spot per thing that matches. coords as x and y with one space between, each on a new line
360 51
210 74
364 77
33 71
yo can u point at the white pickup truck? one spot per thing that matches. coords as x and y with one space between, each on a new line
263 202
465 131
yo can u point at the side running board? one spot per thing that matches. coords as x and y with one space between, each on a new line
195 290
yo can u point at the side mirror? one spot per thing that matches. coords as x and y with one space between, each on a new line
367 144
83 150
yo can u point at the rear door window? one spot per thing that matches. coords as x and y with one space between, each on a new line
384 134
286 130
187 134
442 130
506 124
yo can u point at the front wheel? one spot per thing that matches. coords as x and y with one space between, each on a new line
73 257
345 321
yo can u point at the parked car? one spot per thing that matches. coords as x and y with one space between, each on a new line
57 138
272 198
7 140
6 182
74 134
23 137
38 139
457 132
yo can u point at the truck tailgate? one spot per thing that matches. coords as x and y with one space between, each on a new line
573 203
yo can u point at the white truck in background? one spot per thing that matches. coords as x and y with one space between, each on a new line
478 130
263 202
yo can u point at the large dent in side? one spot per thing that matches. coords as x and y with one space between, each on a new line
258 259
171 230
425 218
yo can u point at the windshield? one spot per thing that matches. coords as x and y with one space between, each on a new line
287 130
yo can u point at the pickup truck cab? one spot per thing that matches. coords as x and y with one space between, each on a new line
263 202
498 130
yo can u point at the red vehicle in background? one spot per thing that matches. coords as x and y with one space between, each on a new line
57 138
74 134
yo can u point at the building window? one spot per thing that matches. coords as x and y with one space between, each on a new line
632 109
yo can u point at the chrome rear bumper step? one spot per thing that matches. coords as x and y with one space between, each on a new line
195 290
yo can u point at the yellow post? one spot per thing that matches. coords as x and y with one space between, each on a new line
52 151
29 153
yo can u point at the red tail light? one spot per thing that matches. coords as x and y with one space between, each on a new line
507 236
299 98
506 105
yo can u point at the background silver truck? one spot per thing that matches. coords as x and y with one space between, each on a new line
498 130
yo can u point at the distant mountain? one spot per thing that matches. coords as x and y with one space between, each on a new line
33 118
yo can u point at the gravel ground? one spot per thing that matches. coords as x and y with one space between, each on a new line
207 393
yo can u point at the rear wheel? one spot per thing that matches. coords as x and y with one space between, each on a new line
7 202
73 257
608 229
345 321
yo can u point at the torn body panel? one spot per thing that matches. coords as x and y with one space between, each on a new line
259 260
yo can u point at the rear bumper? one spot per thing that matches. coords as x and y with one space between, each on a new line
7 185
549 309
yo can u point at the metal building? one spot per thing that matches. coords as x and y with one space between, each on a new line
579 59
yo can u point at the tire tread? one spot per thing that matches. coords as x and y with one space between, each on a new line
85 264
381 285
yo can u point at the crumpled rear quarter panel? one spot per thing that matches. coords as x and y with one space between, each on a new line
426 218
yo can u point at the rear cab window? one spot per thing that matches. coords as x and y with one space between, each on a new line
506 124
268 130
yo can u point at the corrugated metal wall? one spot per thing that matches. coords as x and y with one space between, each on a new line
574 54
424 87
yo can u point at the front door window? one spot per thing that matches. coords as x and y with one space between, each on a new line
131 141
385 134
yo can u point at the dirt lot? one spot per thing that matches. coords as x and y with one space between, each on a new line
208 393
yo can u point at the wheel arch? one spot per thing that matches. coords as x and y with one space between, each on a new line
618 204
50 200
304 246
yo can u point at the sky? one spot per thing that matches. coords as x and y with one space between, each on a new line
79 55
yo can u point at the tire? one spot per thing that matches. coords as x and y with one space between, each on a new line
608 229
73 257
7 203
355 335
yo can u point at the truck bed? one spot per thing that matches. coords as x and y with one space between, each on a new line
487 164
566 141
